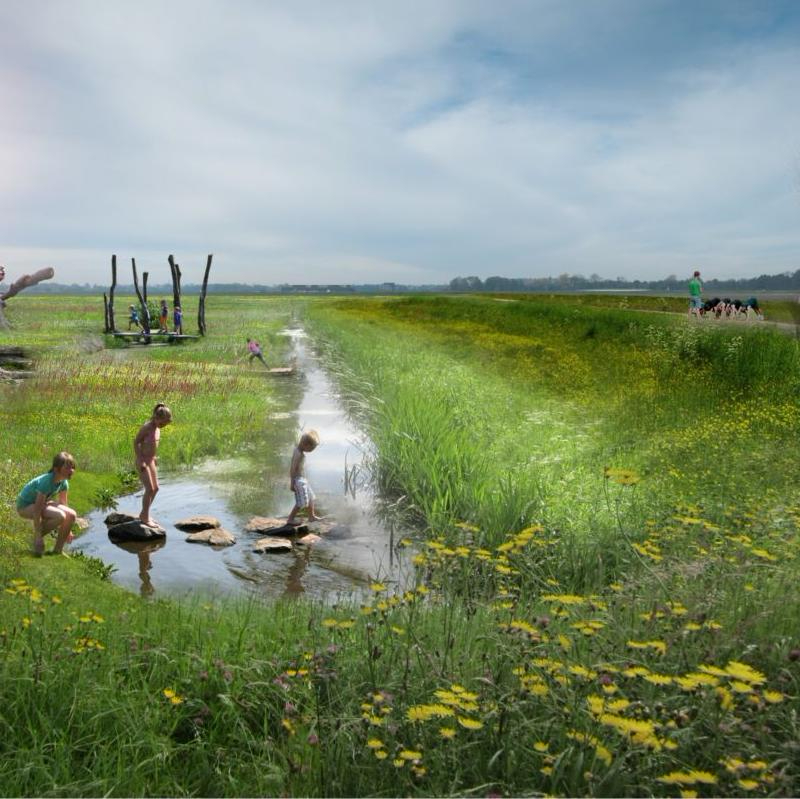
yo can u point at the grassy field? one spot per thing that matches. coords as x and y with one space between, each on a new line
606 557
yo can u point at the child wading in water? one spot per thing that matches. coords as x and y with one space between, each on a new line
35 502
303 495
145 446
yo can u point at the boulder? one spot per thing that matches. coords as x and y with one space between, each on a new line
134 531
118 518
216 536
194 523
272 545
271 526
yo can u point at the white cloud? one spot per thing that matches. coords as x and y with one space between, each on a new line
367 142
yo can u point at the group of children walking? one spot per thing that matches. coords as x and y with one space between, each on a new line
44 499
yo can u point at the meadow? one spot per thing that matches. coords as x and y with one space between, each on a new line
606 561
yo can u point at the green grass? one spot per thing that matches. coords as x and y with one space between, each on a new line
572 630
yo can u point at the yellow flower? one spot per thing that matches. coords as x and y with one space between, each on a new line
377 587
747 785
745 673
469 724
375 743
381 754
169 693
541 746
773 697
410 754
447 732
329 622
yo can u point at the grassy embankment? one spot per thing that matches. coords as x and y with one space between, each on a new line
576 630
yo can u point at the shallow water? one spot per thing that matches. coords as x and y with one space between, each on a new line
341 564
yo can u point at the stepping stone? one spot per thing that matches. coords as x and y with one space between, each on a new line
216 536
281 370
194 523
308 540
272 526
134 531
119 518
271 546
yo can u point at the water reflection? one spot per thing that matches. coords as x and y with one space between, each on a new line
143 550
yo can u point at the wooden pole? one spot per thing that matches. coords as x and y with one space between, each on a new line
107 329
175 271
145 275
145 312
201 310
111 323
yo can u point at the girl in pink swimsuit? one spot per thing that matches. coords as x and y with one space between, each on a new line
145 446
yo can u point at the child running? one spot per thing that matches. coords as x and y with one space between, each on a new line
145 446
256 352
36 502
303 495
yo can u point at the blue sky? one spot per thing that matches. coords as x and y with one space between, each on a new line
411 142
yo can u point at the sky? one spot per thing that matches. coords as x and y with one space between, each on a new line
413 142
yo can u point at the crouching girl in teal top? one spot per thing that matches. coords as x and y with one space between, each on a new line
36 502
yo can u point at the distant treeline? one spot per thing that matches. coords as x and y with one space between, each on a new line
786 281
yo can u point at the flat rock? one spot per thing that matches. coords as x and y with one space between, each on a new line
272 545
194 523
272 526
215 536
134 531
281 370
308 540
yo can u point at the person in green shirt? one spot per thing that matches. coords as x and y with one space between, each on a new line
43 500
695 292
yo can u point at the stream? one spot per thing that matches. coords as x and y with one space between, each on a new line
361 548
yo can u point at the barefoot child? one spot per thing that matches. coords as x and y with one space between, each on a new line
255 351
145 446
303 495
35 502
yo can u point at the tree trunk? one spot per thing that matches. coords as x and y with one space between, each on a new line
142 303
111 323
145 275
20 284
175 271
201 310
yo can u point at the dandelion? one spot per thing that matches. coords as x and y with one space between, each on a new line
469 724
541 746
381 754
375 743
447 733
377 587
410 754
773 697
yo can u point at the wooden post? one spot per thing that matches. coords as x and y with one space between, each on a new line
145 312
145 275
107 329
201 310
111 323
175 270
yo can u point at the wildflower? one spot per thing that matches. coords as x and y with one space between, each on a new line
381 754
773 697
375 743
410 754
447 732
541 746
743 672
688 778
469 724
747 785
377 587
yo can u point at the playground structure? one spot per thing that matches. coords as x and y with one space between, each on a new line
146 334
